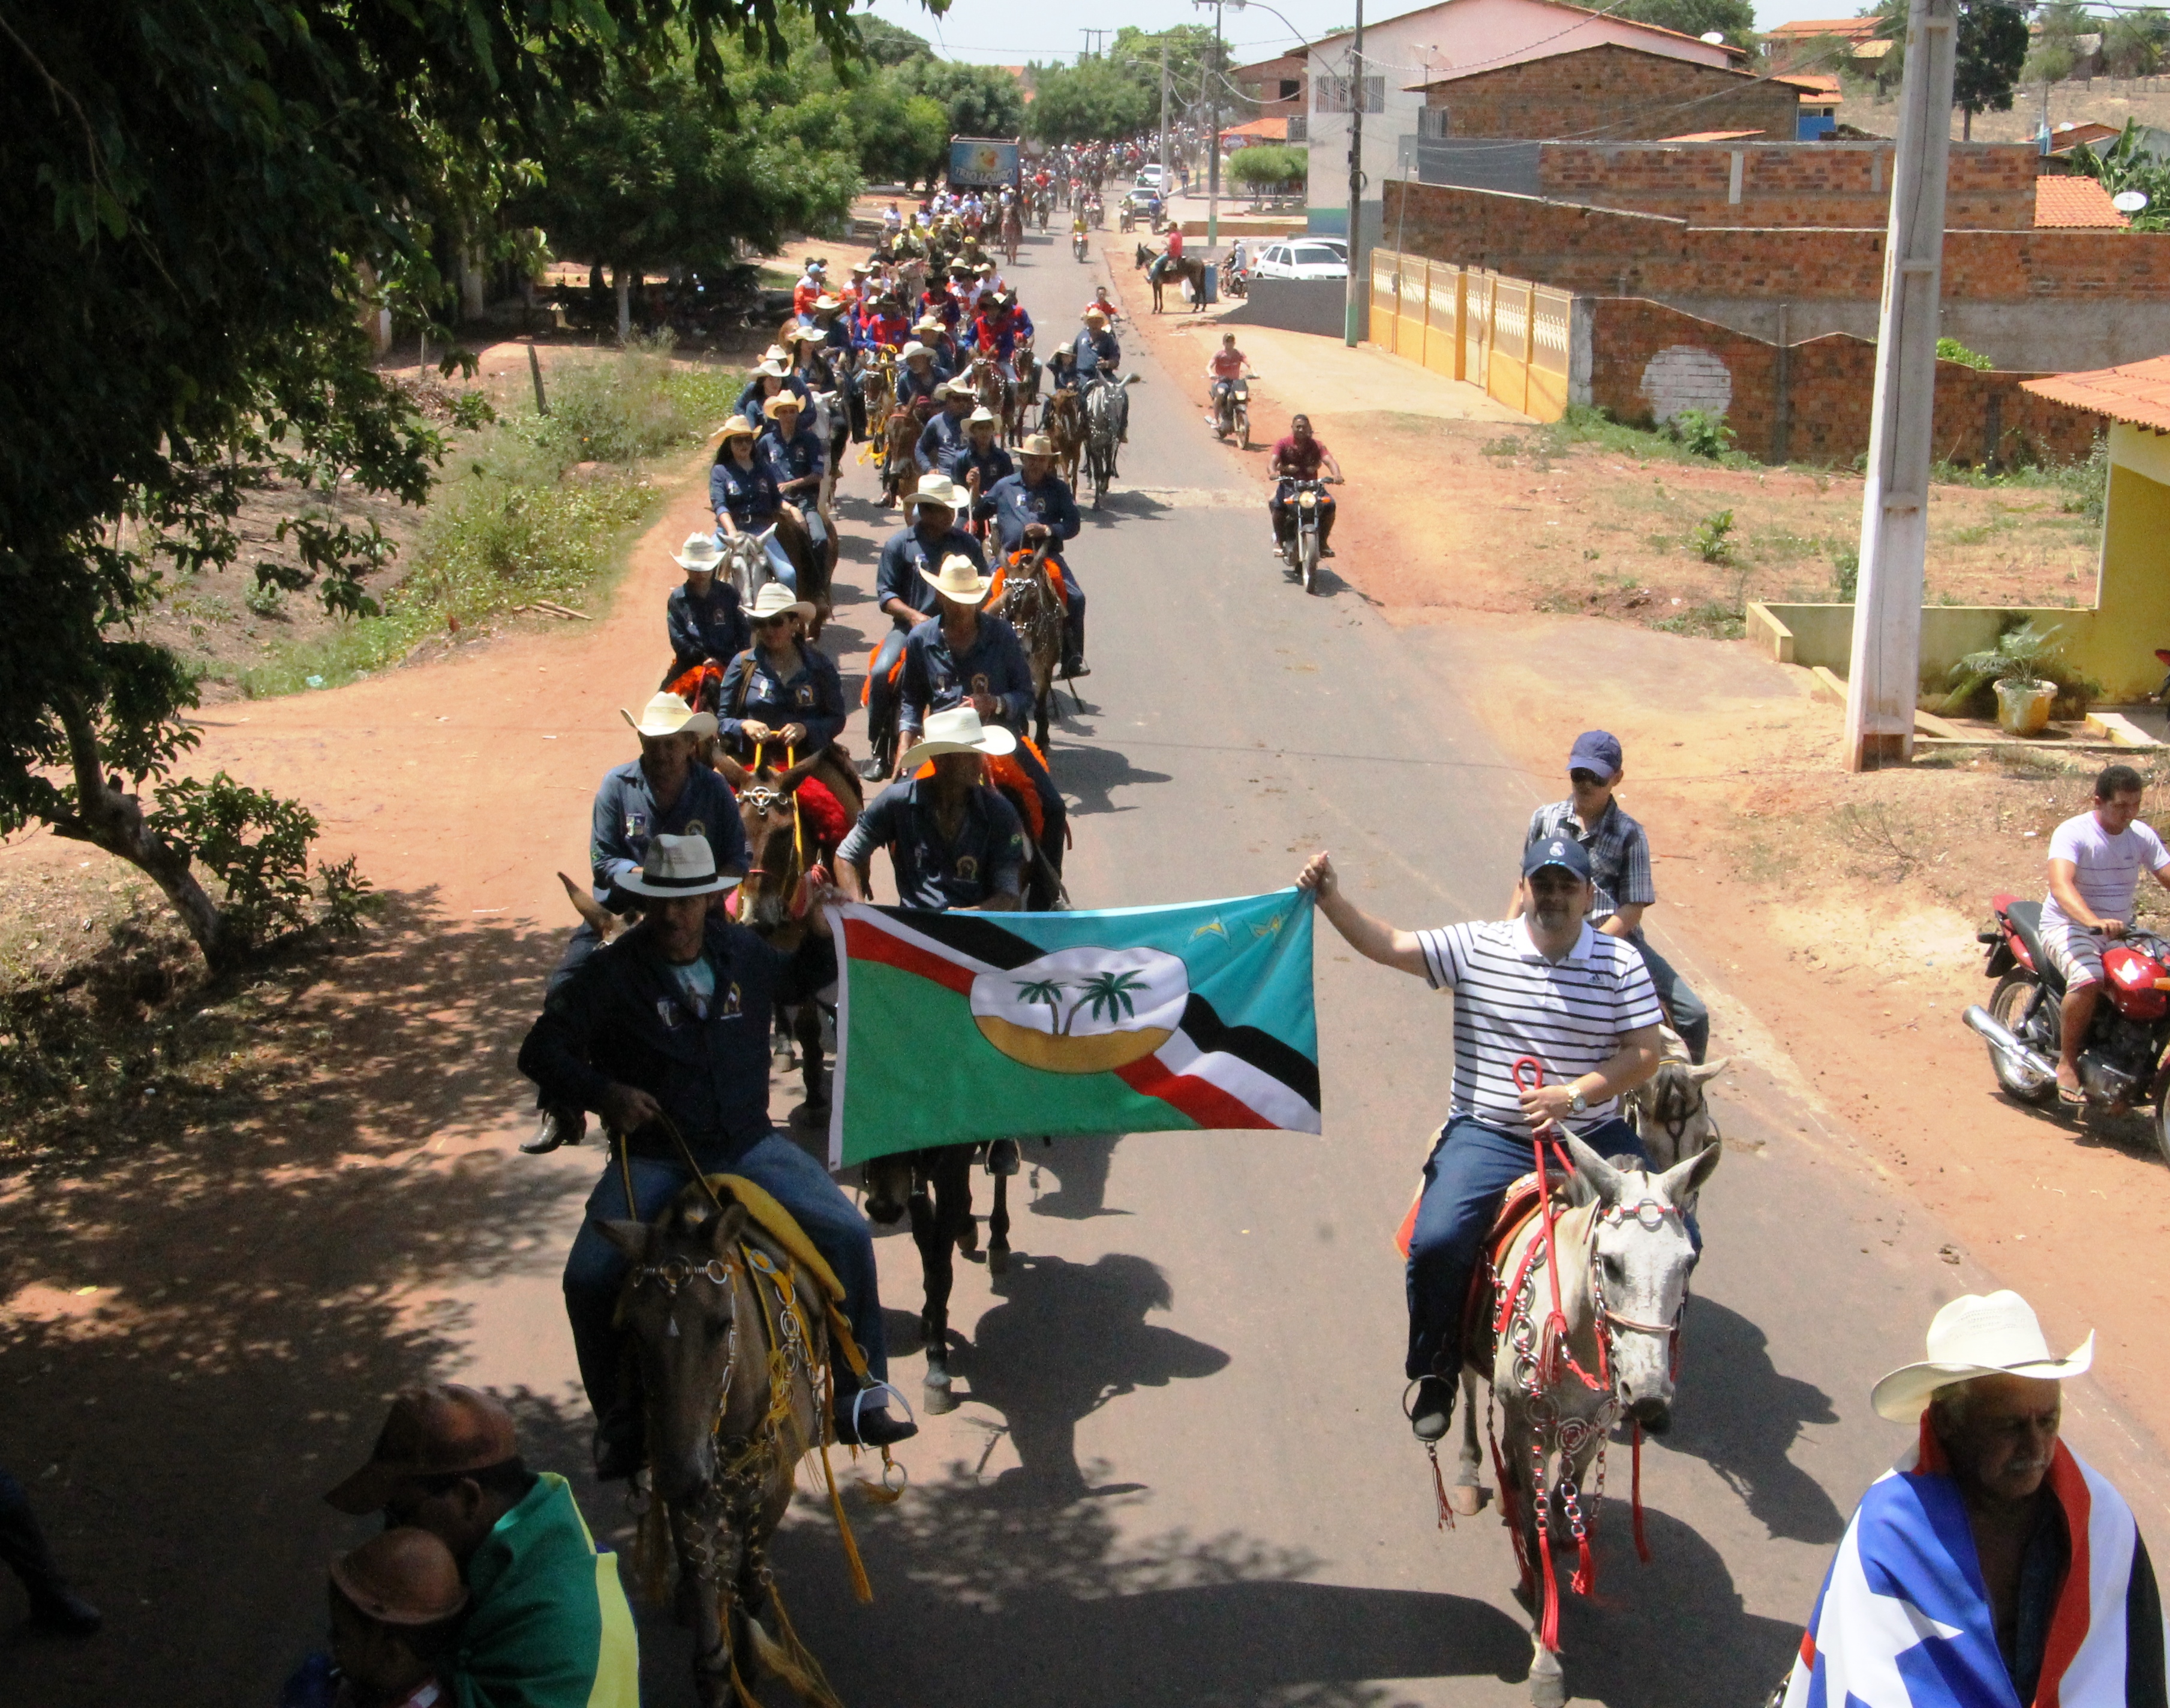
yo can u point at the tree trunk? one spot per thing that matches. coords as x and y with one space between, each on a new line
108 817
624 303
1966 124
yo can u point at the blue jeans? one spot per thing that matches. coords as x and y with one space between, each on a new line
596 1269
881 695
1465 1177
1690 1018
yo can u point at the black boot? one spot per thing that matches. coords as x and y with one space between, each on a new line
1434 1409
55 1608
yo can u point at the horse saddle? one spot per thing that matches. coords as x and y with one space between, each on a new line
1518 1208
781 1227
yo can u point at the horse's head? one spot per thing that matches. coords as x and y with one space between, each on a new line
775 839
1672 1116
1144 258
1641 1257
679 1310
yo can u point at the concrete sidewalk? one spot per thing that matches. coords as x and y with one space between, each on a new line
1336 380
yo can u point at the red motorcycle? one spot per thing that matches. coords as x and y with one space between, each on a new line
2122 1060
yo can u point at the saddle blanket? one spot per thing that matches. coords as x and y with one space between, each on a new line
1904 1621
781 1227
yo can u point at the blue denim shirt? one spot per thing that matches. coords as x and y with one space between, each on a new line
994 465
794 458
1094 348
813 695
986 859
625 818
1018 506
750 399
714 627
937 442
935 679
750 495
897 576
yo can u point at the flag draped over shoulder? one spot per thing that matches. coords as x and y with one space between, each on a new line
1903 1621
957 1026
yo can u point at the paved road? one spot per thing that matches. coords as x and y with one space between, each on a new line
1181 1475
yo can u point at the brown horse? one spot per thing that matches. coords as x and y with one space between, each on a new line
900 470
813 569
1031 605
1025 388
1189 268
716 1312
990 388
1065 431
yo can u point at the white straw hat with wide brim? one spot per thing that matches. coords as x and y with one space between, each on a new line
958 730
1036 445
666 714
959 579
936 489
775 599
701 552
1993 1334
785 400
677 865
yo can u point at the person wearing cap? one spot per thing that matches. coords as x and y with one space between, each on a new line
1036 498
797 459
703 616
396 1607
962 656
780 689
978 462
665 1032
1546 984
1991 1564
1620 871
945 434
953 841
743 492
546 1623
904 593
810 285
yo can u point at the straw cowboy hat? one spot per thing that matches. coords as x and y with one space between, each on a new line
1094 314
934 489
1992 1334
738 427
1036 445
666 714
785 400
980 416
677 865
776 353
775 599
804 334
773 369
913 350
827 304
958 730
960 579
700 553
929 323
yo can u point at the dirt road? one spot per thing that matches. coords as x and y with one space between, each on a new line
1181 1473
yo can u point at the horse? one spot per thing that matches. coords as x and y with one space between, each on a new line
1189 269
811 568
1012 231
1668 1111
991 386
1589 1329
1065 428
1024 388
732 1339
787 839
900 469
745 563
1031 606
1107 410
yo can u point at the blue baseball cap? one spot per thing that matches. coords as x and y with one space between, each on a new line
1557 849
1597 751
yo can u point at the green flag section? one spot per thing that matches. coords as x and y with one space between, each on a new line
958 1027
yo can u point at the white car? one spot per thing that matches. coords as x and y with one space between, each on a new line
1149 177
1300 258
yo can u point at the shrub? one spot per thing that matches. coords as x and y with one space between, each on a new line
1950 350
257 846
1845 573
1701 433
1711 539
1261 168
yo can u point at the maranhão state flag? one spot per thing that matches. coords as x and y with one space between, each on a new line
958 1027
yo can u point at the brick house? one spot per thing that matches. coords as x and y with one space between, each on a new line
1279 85
1608 91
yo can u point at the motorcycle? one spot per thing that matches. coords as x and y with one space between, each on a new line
1232 412
2121 1060
1300 550
1078 242
1234 286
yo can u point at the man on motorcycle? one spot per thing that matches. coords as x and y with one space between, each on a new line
1225 368
1297 457
1036 497
2095 861
1620 873
904 590
1103 302
1546 985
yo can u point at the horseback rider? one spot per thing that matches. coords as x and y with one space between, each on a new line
742 491
999 326
932 330
1297 457
780 688
1036 497
902 589
917 377
665 1032
953 841
1620 873
797 459
944 435
811 283
771 375
979 464
1546 984
1100 361
703 617
1225 368
961 656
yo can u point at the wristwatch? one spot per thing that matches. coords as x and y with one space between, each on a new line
1581 1104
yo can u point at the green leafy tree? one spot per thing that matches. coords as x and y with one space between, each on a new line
1992 53
2128 164
1259 169
1734 20
2134 44
202 201
1094 101
903 137
981 100
887 43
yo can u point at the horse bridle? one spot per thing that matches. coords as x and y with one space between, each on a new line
1651 1213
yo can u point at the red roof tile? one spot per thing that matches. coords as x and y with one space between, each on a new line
2137 392
2068 202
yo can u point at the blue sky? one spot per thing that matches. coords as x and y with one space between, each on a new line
1003 32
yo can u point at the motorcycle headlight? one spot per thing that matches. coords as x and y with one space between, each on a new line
1310 501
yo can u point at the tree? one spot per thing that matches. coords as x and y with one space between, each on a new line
1734 20
2135 43
201 200
1095 100
981 100
2127 163
903 138
1262 169
1990 53
887 43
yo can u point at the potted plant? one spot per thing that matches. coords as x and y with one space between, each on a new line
2026 670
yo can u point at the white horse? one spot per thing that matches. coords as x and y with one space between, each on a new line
1668 1111
1584 1344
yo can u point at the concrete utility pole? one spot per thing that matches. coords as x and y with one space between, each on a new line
1166 183
1359 274
1213 139
1885 675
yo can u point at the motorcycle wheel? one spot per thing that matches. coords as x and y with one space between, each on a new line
2007 1004
1243 424
2159 1128
1310 549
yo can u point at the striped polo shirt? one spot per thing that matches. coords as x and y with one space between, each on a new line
1511 1001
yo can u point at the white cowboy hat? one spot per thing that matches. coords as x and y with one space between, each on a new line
929 323
1036 445
934 489
773 369
677 865
960 579
806 334
738 427
980 416
1994 1334
785 400
958 730
776 353
666 714
699 553
1094 314
775 599
915 349
826 304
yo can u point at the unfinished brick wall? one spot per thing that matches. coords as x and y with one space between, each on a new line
1612 91
1606 252
1640 350
1989 186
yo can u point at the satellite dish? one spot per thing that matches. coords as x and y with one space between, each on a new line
2128 201
1716 38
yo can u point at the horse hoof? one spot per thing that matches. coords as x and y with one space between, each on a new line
998 1260
938 1400
1465 1500
967 1237
1547 1691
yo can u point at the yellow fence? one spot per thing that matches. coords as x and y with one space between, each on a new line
1507 336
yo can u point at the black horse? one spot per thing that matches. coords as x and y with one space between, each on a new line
1162 266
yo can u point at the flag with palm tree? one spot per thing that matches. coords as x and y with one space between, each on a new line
958 1027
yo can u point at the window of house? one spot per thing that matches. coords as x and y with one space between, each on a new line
1290 88
1330 94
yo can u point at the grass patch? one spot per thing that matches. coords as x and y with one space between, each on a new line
2080 486
1584 426
1712 620
543 507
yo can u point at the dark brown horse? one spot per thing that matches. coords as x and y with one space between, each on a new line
899 471
1031 605
1163 266
936 1186
1066 430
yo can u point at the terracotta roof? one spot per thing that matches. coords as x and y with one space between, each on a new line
2067 137
1807 29
2074 201
1710 136
1815 86
1275 130
2137 392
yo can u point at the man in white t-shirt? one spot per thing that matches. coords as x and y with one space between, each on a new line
1544 984
2095 862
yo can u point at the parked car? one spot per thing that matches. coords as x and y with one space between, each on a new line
1149 177
1303 258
